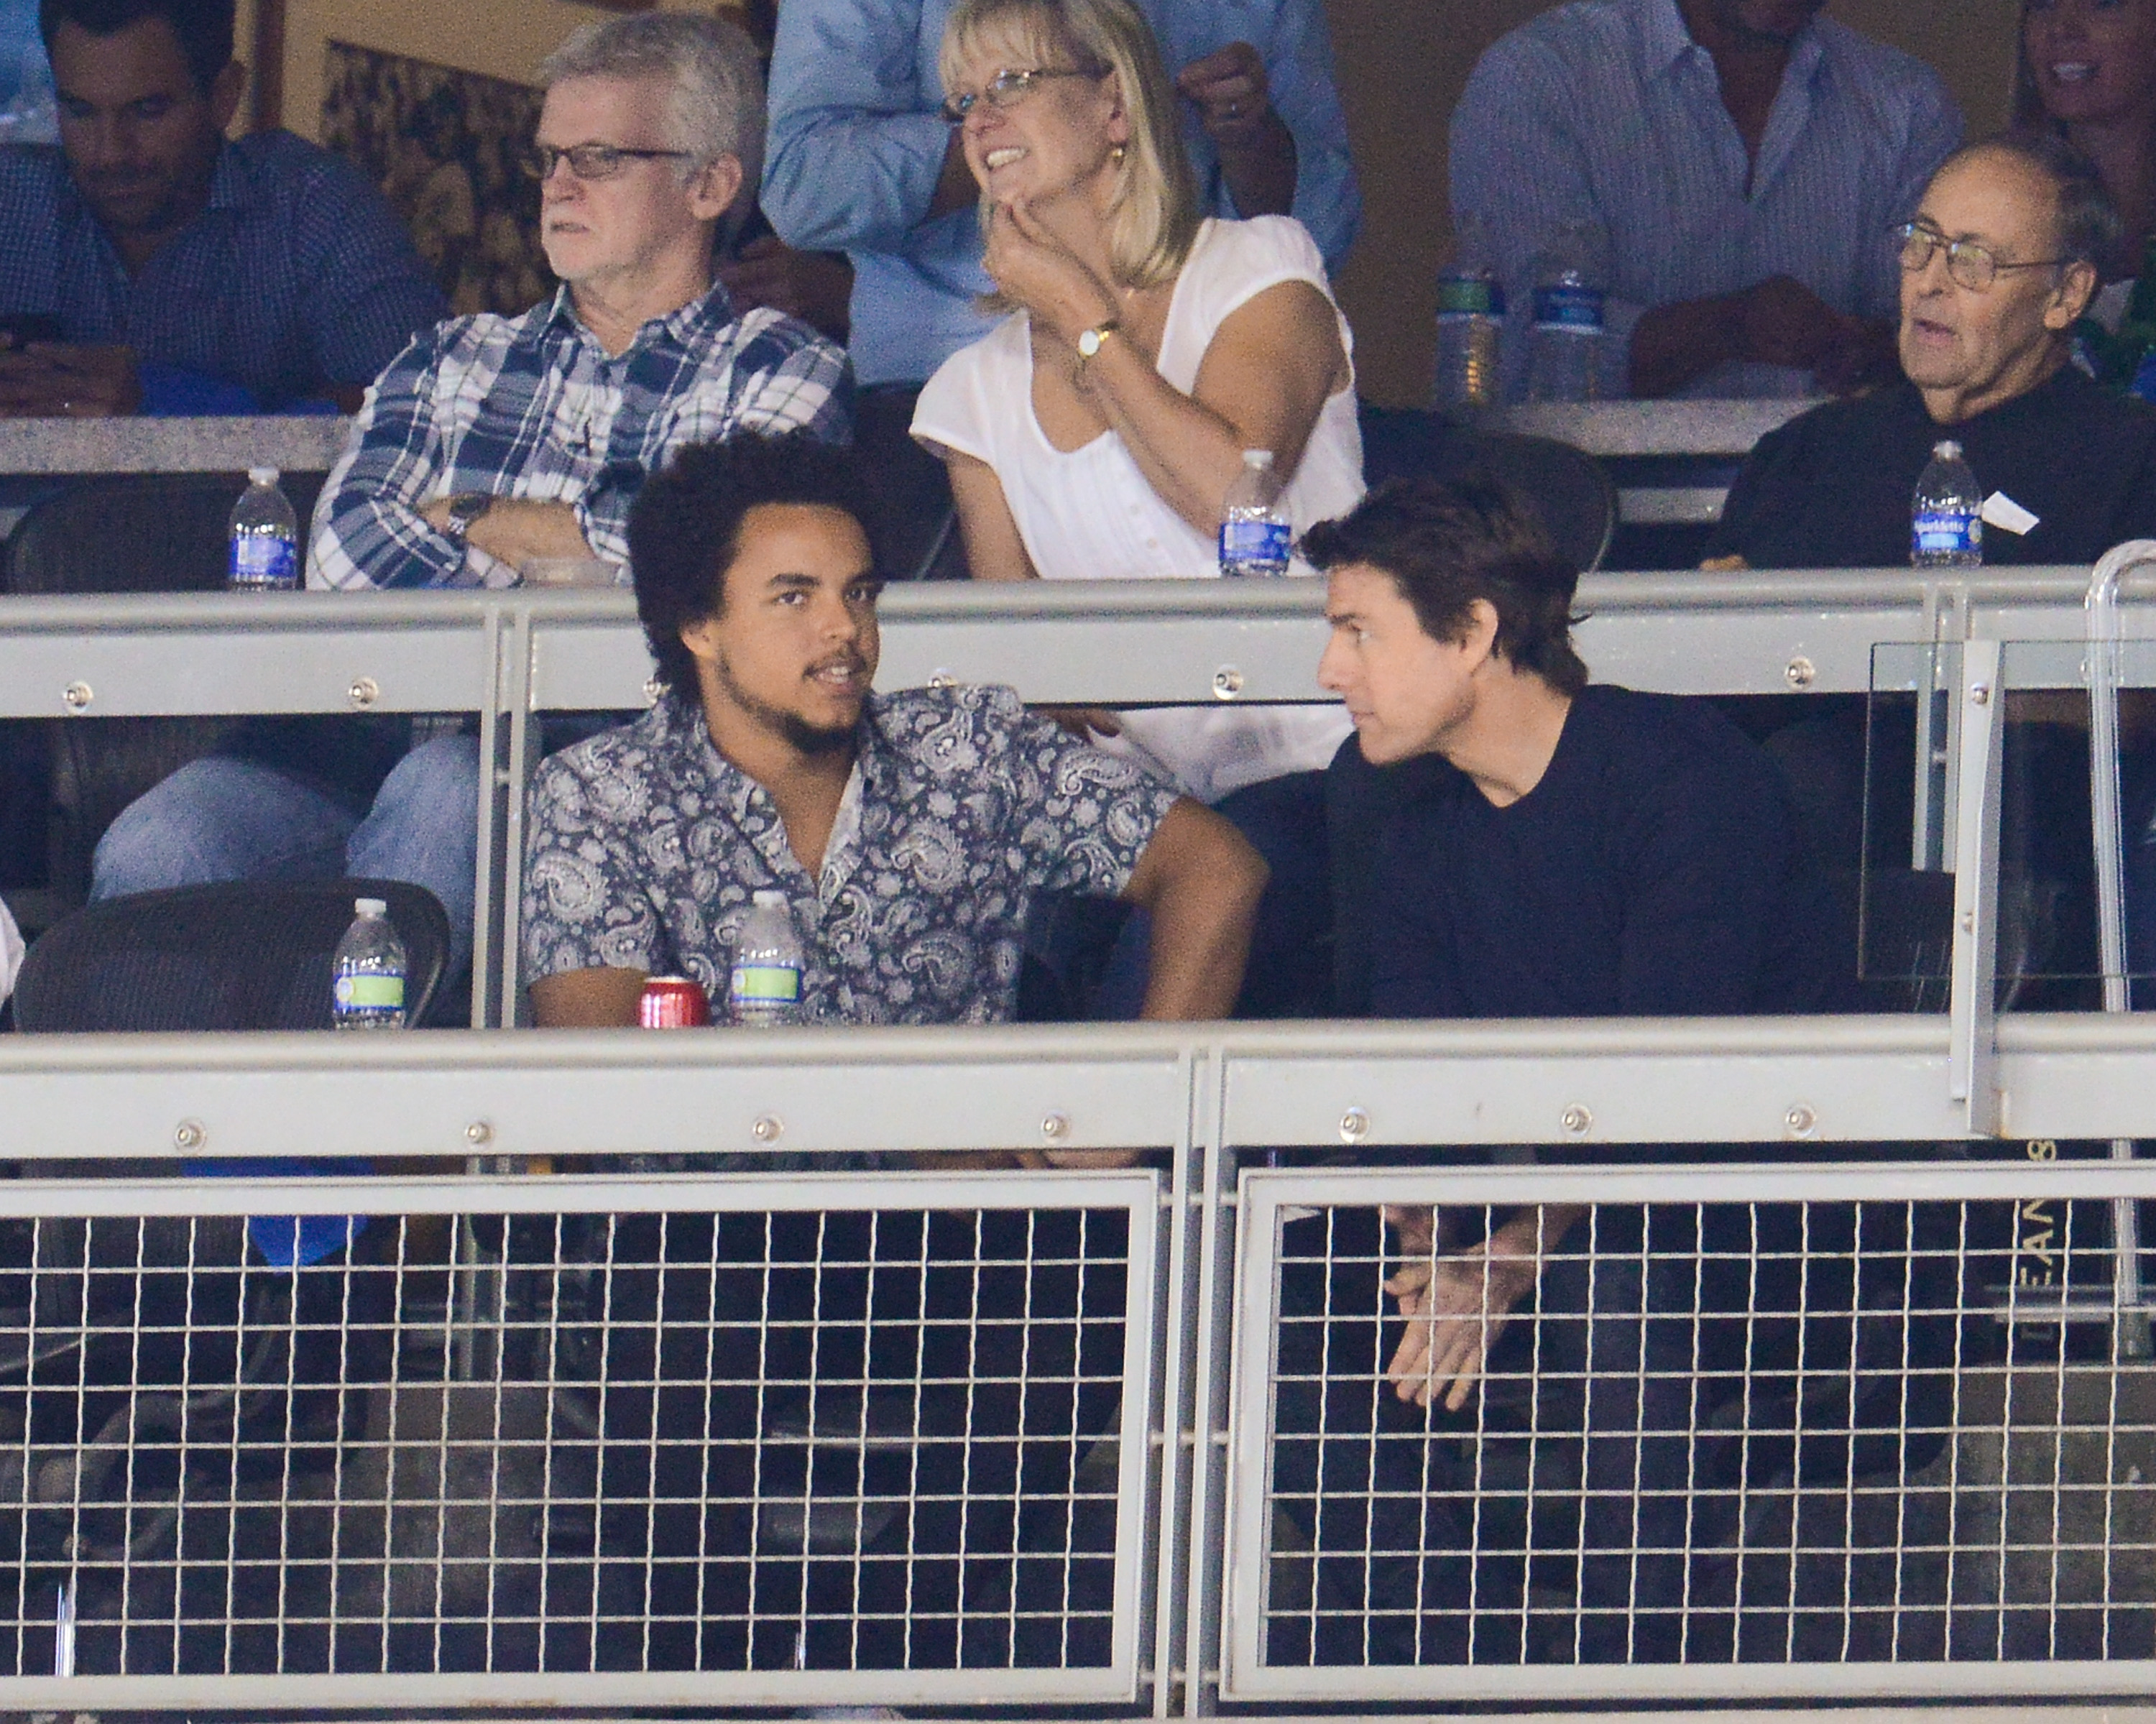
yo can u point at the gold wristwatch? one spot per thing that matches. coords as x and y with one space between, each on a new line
1090 340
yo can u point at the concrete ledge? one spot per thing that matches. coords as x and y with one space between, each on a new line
302 443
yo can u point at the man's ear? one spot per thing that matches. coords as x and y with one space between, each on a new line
1478 633
701 637
2077 290
225 90
717 184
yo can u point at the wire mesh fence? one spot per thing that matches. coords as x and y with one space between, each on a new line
761 1436
1547 1437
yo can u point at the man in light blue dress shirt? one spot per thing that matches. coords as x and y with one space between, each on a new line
861 160
1745 159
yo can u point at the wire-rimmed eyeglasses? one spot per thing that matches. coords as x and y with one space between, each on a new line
1006 89
1971 265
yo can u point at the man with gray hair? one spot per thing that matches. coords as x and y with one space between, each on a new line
492 443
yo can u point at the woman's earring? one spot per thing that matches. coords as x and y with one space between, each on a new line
1116 155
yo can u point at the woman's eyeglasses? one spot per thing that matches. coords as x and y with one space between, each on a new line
1971 265
1006 89
592 161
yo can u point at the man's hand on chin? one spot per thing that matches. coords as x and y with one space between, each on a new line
52 380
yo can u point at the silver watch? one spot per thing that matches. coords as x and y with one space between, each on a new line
465 508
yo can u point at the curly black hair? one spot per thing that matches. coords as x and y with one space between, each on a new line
684 528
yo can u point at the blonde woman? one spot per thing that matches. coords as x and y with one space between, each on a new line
1093 432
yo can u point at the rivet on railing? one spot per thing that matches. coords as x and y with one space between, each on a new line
190 1135
1799 673
940 678
1227 683
767 1129
653 688
479 1132
1577 1121
77 694
1979 695
1354 1125
1055 1126
1801 1120
364 691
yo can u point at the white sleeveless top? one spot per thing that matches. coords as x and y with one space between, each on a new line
1090 513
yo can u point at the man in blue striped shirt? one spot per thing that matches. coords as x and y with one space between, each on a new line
491 442
1745 160
169 270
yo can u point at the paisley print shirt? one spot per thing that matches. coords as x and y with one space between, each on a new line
645 845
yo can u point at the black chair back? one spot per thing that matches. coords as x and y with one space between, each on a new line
1566 488
127 533
146 532
236 955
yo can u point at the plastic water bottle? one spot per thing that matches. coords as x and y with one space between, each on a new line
1471 316
266 537
763 989
1253 528
1946 514
367 988
1564 347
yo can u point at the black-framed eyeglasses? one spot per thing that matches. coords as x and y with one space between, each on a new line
592 161
1006 89
1971 265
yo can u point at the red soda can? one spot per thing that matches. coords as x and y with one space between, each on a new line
673 1002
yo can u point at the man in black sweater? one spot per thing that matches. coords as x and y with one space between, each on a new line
1553 848
2003 257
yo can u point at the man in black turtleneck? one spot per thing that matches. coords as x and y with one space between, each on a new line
2001 260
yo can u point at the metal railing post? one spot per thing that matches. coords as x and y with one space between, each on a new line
1946 623
1204 1581
491 868
514 775
1174 1557
1971 1078
2130 1323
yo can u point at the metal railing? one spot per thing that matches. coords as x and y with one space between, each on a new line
507 657
1193 1552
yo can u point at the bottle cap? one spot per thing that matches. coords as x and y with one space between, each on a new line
370 906
1257 458
262 475
769 899
1948 450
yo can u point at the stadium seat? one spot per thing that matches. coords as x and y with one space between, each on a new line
1566 487
235 954
114 534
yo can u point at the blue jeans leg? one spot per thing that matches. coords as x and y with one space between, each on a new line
424 828
218 819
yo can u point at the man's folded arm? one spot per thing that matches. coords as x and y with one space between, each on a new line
369 529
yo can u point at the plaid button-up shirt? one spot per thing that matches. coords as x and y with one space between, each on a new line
534 408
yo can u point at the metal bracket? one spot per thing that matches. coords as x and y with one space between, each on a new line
1972 1078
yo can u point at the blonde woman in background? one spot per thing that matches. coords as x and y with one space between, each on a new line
1095 432
2087 69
